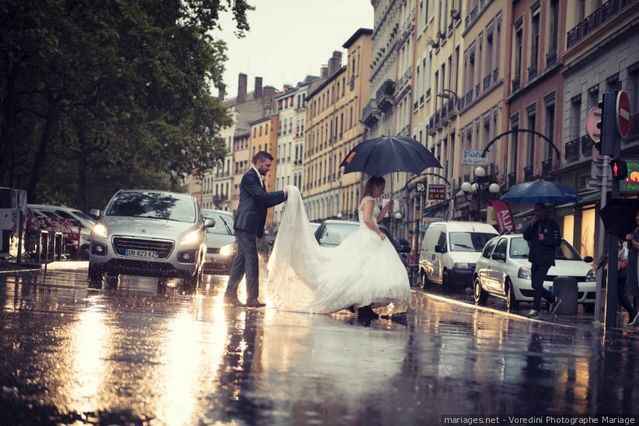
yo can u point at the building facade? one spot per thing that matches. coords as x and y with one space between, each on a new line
263 137
602 54
333 129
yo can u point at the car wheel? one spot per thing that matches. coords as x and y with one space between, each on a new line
479 293
511 301
95 276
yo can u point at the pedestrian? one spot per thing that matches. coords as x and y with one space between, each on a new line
543 240
622 277
250 219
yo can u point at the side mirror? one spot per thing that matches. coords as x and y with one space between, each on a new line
588 259
95 213
209 223
440 249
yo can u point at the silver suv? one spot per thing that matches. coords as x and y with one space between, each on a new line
149 233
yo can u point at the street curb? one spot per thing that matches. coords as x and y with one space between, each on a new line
493 311
18 271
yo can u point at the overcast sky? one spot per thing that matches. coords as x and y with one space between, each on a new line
290 39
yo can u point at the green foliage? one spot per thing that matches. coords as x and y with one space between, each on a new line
100 95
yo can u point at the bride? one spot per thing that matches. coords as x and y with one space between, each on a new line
364 271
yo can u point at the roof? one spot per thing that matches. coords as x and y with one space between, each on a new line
360 32
259 120
461 226
326 82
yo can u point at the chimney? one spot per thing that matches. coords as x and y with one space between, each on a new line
269 91
324 72
242 83
337 56
221 91
258 87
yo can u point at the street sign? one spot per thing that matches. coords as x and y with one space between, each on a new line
593 117
624 125
437 192
420 187
473 157
631 183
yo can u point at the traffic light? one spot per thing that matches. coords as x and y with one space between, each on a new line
619 169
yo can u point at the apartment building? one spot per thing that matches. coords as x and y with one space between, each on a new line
241 163
333 129
602 54
263 137
291 108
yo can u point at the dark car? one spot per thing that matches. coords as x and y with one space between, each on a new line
220 243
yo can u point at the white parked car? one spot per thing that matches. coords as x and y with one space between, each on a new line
450 250
503 271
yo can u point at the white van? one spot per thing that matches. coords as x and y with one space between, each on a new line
450 251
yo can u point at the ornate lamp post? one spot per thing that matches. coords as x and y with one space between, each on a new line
480 186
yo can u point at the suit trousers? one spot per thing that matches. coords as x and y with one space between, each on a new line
538 276
245 263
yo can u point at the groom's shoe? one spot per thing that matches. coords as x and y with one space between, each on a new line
255 304
367 312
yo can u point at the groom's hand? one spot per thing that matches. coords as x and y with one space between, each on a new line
285 191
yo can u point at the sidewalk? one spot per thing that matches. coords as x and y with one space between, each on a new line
7 267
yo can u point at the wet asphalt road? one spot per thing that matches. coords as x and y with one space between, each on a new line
132 356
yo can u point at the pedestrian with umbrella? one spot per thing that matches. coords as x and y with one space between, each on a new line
543 235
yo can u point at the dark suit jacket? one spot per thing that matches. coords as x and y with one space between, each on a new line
542 252
254 201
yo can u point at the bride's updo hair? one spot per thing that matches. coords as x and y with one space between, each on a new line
372 183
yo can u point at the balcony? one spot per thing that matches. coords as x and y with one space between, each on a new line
604 13
495 75
452 109
384 95
468 98
551 59
430 128
532 73
586 146
472 16
438 124
477 90
571 151
370 115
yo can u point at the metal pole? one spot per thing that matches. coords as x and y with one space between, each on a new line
612 300
601 240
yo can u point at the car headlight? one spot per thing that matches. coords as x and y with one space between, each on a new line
590 276
99 230
461 266
523 273
227 250
192 238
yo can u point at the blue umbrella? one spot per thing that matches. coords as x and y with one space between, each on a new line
385 155
540 191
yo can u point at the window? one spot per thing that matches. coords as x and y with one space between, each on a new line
532 121
549 130
500 250
519 37
575 117
581 10
488 249
534 46
513 146
554 28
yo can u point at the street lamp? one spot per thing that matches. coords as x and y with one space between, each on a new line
479 186
480 172
494 188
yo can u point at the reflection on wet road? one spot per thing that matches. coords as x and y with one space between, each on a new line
130 355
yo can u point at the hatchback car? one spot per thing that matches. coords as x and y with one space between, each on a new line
220 242
503 271
75 224
149 233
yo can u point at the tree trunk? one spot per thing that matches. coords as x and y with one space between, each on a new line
82 163
50 127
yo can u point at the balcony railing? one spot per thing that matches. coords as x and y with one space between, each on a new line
516 82
586 146
532 73
495 75
528 173
384 95
370 113
571 150
551 59
477 90
595 20
468 98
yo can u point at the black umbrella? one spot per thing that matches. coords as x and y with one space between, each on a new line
619 216
389 154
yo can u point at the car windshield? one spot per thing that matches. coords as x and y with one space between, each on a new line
336 232
153 205
223 223
519 250
469 241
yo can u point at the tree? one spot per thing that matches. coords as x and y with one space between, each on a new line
94 90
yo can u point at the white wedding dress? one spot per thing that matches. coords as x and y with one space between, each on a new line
304 277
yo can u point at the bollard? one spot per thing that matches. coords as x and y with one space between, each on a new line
566 289
59 246
43 249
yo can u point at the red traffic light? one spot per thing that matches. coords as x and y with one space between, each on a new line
619 169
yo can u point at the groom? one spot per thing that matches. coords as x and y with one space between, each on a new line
250 218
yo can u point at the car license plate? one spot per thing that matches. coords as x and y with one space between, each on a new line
142 253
